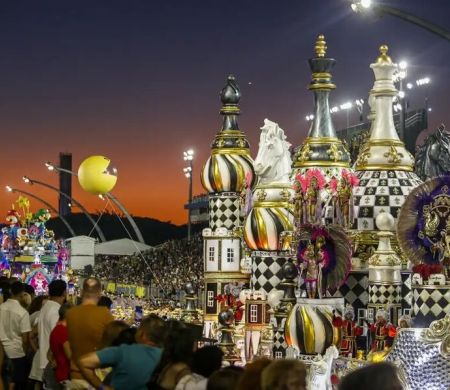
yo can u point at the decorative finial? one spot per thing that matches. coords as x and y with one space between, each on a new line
321 46
384 58
230 94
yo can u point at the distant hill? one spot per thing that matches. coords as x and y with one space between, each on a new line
154 231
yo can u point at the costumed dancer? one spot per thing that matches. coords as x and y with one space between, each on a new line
350 330
313 259
315 182
382 332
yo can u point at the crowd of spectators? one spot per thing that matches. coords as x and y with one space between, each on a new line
168 266
51 344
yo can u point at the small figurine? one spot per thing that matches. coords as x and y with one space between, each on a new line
350 330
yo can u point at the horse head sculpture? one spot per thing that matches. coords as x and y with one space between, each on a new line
273 162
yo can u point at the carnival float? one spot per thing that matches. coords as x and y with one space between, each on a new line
307 256
29 251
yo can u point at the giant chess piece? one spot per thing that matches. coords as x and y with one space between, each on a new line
384 166
190 314
385 282
226 173
282 308
226 343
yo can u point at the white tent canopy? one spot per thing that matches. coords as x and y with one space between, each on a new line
121 247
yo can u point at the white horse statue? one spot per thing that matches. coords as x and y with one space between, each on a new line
273 163
320 370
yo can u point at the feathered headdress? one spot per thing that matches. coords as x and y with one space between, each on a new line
300 183
350 178
318 175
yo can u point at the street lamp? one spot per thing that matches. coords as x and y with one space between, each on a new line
30 181
372 7
49 206
188 172
52 167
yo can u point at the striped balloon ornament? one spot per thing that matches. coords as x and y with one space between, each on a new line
310 328
227 172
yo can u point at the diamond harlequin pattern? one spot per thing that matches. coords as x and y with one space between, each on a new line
382 294
422 364
430 304
354 290
266 272
224 212
406 290
381 191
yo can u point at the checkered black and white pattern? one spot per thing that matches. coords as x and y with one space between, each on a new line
279 345
224 211
406 290
379 191
266 272
354 290
430 304
383 294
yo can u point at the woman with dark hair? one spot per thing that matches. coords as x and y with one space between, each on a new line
205 361
373 377
178 350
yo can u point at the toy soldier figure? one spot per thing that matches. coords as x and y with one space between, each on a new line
350 330
382 332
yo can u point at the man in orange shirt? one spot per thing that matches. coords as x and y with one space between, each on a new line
85 326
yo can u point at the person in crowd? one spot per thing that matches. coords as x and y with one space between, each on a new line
372 377
205 361
225 379
110 335
15 331
105 301
132 365
251 378
58 371
49 316
126 336
284 374
179 348
34 310
112 332
2 362
85 325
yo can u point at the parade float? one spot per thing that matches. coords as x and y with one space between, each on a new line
347 266
29 251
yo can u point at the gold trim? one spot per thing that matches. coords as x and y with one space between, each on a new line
239 171
308 329
383 142
384 167
328 164
263 242
229 133
240 151
321 86
273 204
284 219
321 75
216 176
321 140
230 108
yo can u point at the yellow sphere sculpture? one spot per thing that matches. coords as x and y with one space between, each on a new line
96 176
